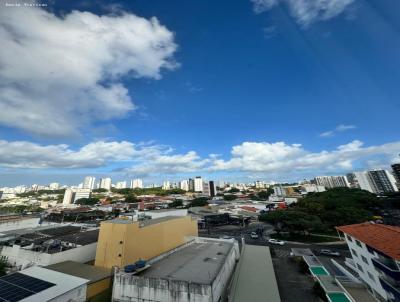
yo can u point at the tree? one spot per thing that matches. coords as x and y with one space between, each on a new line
176 203
264 195
230 197
234 190
131 198
3 267
100 190
87 201
199 202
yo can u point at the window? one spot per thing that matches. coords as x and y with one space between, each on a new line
358 243
359 268
354 252
371 277
349 238
370 250
364 259
119 255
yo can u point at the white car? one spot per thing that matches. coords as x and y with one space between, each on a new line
253 235
276 241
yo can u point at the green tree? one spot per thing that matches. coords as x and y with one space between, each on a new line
176 203
3 266
100 190
199 202
131 198
87 201
264 195
229 197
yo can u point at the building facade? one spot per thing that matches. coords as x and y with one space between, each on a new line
383 181
331 182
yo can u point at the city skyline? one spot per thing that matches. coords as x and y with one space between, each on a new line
240 91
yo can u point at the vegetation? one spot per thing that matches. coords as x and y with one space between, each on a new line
131 198
20 209
234 190
199 202
321 212
3 267
229 197
100 190
148 191
176 203
40 192
264 195
88 201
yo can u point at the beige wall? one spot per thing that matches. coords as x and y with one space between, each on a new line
124 243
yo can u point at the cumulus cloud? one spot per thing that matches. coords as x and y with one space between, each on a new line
339 128
23 154
306 12
284 158
149 159
61 74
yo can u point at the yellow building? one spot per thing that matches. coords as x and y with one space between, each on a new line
123 242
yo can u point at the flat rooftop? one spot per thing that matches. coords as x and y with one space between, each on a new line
143 223
81 270
197 263
254 279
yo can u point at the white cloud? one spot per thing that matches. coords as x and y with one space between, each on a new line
149 159
23 154
306 11
339 128
61 74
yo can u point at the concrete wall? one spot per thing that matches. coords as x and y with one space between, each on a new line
16 224
76 295
124 243
23 258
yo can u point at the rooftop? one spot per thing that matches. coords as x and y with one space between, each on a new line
197 263
144 222
384 238
85 271
254 279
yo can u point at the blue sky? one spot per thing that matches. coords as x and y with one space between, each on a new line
240 90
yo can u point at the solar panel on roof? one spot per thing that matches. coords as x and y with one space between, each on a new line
17 286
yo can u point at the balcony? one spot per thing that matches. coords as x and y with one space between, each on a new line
391 288
387 267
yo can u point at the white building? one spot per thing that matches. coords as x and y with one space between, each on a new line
375 257
206 188
330 182
198 184
197 271
361 180
89 182
38 284
312 188
54 186
68 197
383 181
105 183
184 185
121 185
136 183
166 185
81 193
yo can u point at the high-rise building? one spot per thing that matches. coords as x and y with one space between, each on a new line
396 173
360 180
68 197
213 188
89 182
382 181
54 186
81 193
166 185
184 185
206 188
121 185
198 184
105 183
330 182
136 183
191 184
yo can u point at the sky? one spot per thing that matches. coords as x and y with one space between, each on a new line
273 90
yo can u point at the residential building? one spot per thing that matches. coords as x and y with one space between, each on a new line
89 182
147 239
330 182
105 183
382 181
184 185
396 173
166 185
206 188
375 257
54 186
81 193
199 270
121 185
136 183
213 188
68 197
312 188
198 184
191 184
360 180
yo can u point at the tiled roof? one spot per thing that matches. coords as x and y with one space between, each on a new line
384 238
250 209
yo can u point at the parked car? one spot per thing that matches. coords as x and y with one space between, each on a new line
330 253
254 235
276 241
